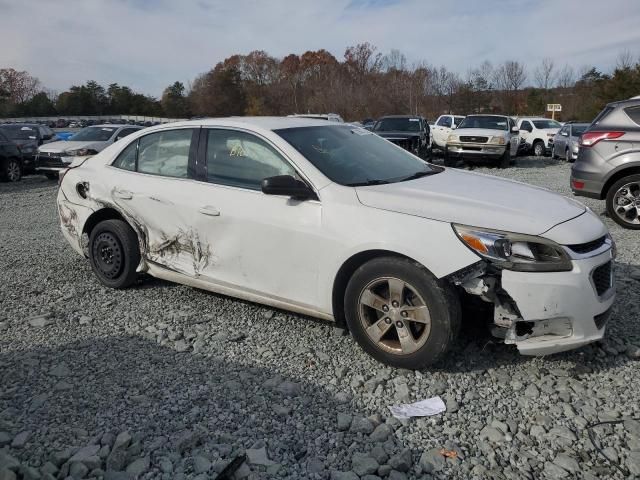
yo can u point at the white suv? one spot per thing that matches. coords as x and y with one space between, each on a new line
442 128
537 134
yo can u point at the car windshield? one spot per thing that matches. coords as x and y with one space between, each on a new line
398 125
93 134
485 121
546 124
354 156
19 132
577 130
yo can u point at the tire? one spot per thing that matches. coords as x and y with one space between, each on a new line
449 161
505 160
538 148
553 153
12 170
631 217
567 156
114 253
427 339
52 175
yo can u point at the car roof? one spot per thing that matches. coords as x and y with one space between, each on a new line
114 125
267 123
21 125
625 103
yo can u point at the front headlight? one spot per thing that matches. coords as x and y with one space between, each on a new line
514 251
452 138
81 152
497 141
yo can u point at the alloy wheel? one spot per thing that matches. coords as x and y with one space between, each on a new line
394 315
13 171
626 203
538 149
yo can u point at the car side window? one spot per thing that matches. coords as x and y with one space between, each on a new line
242 160
526 125
127 158
165 153
633 113
446 122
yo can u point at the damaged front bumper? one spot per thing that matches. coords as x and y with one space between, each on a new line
543 313
561 311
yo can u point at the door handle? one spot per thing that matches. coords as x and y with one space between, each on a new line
123 194
209 211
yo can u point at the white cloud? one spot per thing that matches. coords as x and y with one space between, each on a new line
148 44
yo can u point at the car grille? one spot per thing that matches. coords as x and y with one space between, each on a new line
49 160
583 248
602 278
474 139
406 143
602 319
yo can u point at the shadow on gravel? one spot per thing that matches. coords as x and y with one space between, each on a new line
170 402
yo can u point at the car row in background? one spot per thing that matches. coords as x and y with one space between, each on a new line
65 123
26 137
57 156
567 140
410 132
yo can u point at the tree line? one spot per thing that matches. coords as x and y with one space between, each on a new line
364 83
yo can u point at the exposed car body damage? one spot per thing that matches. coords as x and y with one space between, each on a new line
181 242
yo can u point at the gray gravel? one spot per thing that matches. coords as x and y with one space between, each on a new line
166 381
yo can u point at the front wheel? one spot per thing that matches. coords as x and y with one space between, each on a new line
505 159
114 253
400 314
568 156
12 171
553 153
623 202
538 149
449 161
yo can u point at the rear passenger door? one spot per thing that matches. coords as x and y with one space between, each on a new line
153 179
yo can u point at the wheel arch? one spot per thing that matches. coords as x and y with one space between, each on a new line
346 271
617 175
98 216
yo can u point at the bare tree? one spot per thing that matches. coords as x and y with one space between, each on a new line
624 61
394 60
544 74
566 77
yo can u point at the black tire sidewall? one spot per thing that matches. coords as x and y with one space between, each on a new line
505 160
536 145
609 201
443 304
128 242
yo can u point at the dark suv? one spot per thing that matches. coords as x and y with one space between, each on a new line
10 160
608 164
409 132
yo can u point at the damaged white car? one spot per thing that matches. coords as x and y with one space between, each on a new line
335 222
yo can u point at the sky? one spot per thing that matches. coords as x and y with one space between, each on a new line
149 44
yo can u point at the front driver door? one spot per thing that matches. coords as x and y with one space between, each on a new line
263 244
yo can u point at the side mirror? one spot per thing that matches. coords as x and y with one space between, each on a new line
454 126
564 134
289 186
515 130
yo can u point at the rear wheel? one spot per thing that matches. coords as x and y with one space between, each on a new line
538 148
12 170
114 253
567 155
400 314
623 202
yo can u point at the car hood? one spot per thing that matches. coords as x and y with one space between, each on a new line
479 132
398 134
63 146
474 199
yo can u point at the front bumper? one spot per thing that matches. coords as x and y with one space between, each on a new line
561 310
55 163
475 150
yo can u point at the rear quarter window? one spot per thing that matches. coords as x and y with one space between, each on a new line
602 115
633 113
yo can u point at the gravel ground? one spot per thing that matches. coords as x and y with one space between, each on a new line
166 381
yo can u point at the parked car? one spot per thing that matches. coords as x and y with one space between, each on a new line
565 143
10 160
537 134
28 137
330 117
57 156
332 221
61 123
608 164
483 136
410 132
368 123
443 127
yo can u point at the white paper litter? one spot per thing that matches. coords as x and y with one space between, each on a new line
423 408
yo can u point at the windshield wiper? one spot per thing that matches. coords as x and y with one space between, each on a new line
367 183
420 174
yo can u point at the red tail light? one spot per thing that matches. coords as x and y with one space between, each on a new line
589 139
577 185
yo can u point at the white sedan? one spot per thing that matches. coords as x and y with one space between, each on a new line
335 222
